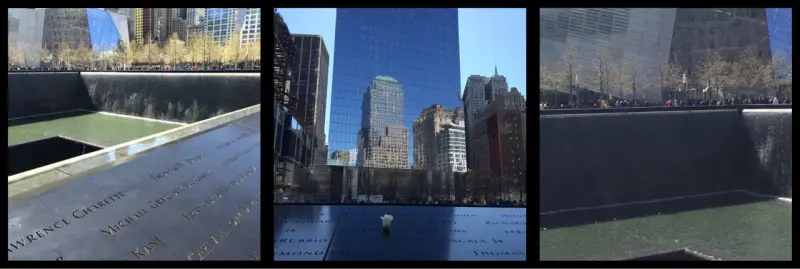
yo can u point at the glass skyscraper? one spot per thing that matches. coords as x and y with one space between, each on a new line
417 48
779 21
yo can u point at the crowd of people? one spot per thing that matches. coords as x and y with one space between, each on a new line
731 101
690 102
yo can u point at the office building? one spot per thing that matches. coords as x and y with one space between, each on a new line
310 84
195 16
251 27
498 135
651 37
25 30
195 22
417 47
383 139
479 92
340 158
145 25
172 21
221 23
94 28
426 130
321 155
294 144
353 157
452 151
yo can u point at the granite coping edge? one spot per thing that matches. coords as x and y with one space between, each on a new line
108 155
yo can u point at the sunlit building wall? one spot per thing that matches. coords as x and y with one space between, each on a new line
221 23
251 27
139 25
25 30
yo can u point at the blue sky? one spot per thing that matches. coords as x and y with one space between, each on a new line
487 37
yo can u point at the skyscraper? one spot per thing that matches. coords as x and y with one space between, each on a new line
426 130
452 151
251 29
779 21
221 23
383 139
417 47
94 28
650 37
479 92
310 73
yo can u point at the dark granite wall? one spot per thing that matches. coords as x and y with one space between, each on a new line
34 154
606 158
183 97
42 93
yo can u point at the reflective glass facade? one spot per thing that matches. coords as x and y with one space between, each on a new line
640 34
416 47
651 36
103 31
779 21
221 23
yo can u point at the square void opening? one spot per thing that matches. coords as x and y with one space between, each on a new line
38 153
678 255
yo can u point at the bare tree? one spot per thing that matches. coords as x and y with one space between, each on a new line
634 76
64 54
782 78
173 50
749 70
45 57
617 79
569 61
603 72
82 55
669 74
713 71
15 54
149 52
552 78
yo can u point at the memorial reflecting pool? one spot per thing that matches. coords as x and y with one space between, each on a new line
734 226
99 129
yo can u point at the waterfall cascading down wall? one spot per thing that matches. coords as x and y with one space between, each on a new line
588 160
183 97
771 133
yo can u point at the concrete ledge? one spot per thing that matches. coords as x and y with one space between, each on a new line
84 163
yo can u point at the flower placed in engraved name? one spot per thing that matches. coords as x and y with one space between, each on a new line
386 221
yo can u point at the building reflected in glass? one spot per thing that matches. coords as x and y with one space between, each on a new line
779 22
416 47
